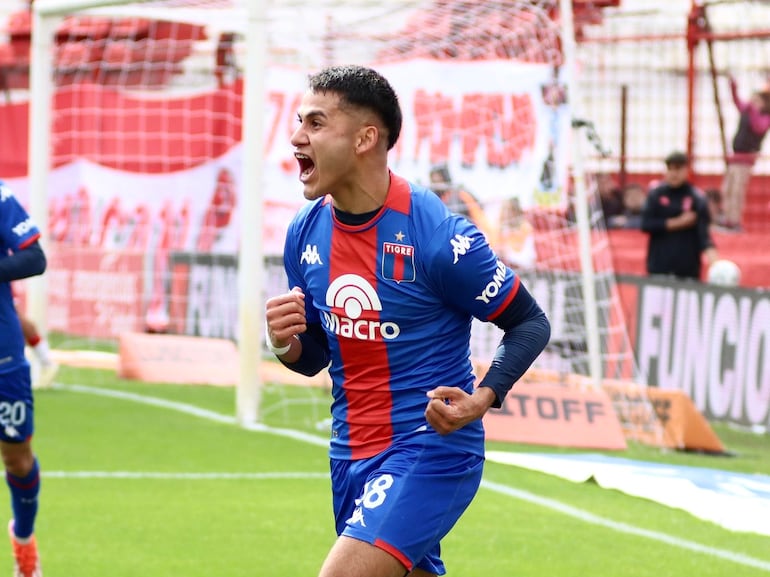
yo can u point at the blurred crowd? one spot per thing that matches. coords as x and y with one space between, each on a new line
512 230
512 235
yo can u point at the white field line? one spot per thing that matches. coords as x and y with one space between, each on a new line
587 517
178 476
545 502
196 412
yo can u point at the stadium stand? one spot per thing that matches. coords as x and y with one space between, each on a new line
80 44
133 40
629 250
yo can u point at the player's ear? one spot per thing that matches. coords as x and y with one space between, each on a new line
368 137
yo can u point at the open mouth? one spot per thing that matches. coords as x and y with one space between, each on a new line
306 166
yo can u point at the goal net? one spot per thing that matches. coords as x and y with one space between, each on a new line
145 190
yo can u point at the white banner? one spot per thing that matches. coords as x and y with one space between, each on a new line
499 126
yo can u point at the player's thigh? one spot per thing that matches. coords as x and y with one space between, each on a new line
16 420
350 557
405 500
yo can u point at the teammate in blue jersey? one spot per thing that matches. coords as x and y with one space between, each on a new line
20 257
384 284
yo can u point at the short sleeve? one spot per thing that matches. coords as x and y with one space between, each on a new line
17 230
466 271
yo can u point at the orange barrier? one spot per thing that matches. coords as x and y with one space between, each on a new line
684 427
557 416
177 359
86 359
537 411
188 360
649 415
275 372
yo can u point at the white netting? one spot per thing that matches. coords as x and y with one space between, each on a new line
147 148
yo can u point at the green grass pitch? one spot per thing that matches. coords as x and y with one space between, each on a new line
133 489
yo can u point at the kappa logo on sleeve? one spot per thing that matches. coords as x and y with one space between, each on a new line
460 245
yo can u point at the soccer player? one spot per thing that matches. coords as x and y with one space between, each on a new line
21 256
385 283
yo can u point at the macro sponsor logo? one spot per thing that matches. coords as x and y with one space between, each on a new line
23 227
354 295
493 287
460 245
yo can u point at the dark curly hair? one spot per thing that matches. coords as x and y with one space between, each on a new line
363 87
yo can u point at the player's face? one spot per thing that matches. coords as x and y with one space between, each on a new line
324 145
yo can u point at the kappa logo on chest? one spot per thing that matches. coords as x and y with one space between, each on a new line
310 255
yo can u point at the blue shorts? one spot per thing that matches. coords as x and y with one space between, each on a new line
406 499
17 415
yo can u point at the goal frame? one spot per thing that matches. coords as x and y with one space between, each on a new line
582 218
46 15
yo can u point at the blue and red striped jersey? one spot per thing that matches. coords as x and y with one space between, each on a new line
396 297
17 231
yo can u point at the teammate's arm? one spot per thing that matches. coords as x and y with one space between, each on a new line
24 263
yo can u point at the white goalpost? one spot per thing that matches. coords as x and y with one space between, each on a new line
47 14
159 151
581 201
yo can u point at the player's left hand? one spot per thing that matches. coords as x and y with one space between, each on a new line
451 408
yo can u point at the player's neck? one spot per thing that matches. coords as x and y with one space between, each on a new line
364 194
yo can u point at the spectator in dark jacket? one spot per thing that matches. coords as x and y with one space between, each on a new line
676 216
